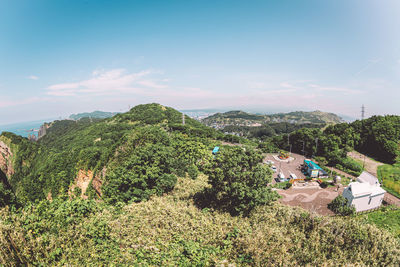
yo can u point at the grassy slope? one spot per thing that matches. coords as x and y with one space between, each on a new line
170 230
390 177
387 218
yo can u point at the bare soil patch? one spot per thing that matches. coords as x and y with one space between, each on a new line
313 200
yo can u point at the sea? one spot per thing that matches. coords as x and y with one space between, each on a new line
24 128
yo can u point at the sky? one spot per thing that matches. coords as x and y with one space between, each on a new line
69 56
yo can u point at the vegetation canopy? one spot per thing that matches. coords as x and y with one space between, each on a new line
142 188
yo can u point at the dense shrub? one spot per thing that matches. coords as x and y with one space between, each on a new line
340 206
193 171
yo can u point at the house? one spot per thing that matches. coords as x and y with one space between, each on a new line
366 177
313 170
364 196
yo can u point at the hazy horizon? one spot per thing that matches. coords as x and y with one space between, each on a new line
63 57
210 110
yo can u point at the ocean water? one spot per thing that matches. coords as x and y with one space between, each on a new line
24 128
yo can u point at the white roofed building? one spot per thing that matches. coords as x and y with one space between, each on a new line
364 194
366 177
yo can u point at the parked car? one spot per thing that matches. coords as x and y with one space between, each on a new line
293 176
281 175
273 168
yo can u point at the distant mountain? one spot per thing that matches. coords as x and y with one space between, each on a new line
239 117
94 115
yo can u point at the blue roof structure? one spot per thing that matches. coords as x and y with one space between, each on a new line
312 165
215 150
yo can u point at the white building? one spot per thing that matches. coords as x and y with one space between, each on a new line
366 177
365 194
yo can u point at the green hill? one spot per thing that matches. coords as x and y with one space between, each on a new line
141 188
51 166
247 119
93 115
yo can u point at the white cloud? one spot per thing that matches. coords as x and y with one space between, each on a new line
33 77
106 82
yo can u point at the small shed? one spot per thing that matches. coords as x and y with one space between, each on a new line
215 150
364 196
313 170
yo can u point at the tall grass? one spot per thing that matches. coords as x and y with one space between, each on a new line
171 231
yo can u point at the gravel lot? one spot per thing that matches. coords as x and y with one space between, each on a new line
287 167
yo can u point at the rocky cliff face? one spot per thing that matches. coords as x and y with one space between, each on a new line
43 130
83 180
6 159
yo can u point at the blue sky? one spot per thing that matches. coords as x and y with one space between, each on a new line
62 57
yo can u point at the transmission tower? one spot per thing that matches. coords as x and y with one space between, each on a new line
183 119
362 112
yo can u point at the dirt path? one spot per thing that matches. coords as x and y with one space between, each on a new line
370 166
344 174
392 200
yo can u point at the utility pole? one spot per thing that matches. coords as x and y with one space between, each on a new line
316 146
288 142
304 152
364 162
183 119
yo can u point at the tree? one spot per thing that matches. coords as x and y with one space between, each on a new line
238 181
145 173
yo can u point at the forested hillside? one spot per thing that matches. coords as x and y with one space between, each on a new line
150 133
268 130
241 118
142 188
93 115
